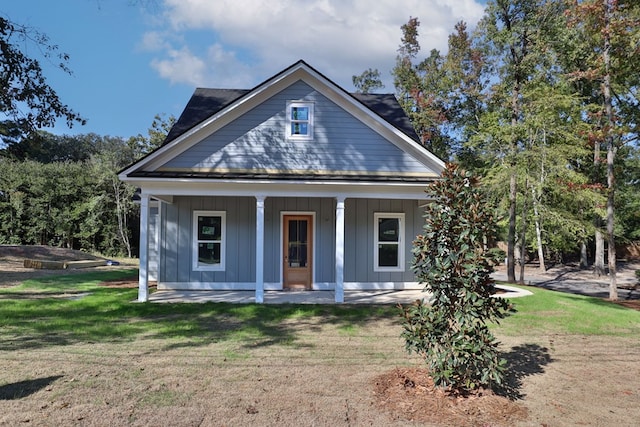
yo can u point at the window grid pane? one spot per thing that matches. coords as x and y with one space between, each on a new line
388 255
209 228
209 253
388 229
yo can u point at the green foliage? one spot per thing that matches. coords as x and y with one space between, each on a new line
64 190
452 260
160 127
442 92
368 81
26 99
76 204
521 101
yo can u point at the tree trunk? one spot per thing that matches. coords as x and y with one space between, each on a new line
513 189
542 266
584 259
121 215
523 236
598 262
611 152
511 238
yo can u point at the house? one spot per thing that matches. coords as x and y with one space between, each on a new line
294 184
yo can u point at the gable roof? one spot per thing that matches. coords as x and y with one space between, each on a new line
209 110
206 101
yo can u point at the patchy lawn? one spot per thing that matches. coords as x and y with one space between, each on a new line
81 353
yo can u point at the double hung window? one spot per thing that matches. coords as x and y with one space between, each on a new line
300 120
209 240
388 254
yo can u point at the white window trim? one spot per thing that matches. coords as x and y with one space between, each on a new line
223 241
400 217
309 105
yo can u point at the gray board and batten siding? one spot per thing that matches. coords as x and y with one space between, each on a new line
257 141
176 237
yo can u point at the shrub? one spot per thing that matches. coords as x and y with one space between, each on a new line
451 259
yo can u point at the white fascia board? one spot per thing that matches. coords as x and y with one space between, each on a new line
414 191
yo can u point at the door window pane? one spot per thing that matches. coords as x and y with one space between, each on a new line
297 244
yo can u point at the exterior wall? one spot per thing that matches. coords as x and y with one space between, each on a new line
257 141
324 237
177 234
359 243
175 258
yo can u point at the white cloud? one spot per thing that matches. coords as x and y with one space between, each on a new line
180 66
253 39
152 41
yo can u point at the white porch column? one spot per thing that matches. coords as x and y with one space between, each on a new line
260 249
143 277
340 249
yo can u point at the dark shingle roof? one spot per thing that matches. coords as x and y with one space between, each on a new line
386 106
203 104
206 102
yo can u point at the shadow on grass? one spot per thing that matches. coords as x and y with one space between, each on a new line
25 388
522 361
110 315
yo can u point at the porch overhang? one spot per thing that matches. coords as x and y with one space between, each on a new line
182 186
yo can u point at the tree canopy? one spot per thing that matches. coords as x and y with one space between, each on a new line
529 100
27 102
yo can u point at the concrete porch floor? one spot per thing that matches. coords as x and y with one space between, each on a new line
304 297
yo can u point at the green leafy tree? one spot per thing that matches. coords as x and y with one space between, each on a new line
451 258
609 31
367 82
27 102
419 89
156 134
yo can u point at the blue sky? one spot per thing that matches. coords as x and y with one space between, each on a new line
133 59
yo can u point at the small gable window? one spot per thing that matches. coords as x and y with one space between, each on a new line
300 120
209 240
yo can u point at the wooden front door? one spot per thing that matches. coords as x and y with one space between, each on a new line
297 250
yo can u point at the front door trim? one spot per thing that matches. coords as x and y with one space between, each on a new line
313 243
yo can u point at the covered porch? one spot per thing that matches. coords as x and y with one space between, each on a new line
332 230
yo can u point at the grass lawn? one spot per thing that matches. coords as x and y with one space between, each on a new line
76 352
79 309
549 312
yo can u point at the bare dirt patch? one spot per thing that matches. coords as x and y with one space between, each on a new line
409 394
320 376
13 272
